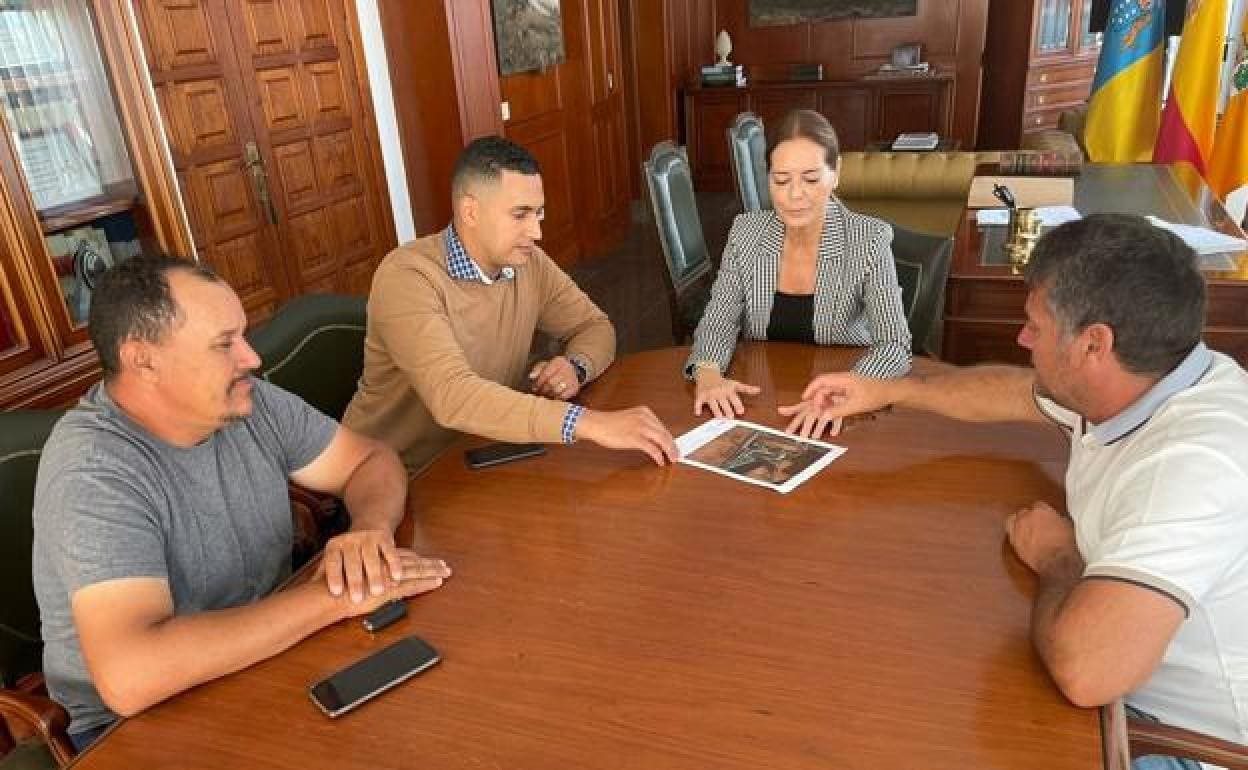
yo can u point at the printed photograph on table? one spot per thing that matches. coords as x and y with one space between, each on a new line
528 34
755 454
774 13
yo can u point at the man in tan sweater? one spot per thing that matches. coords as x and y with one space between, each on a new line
451 318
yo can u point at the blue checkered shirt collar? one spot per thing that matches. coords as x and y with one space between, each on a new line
463 267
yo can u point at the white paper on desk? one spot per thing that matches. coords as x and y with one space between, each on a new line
1050 216
755 454
1202 239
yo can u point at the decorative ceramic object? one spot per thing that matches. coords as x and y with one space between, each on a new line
723 47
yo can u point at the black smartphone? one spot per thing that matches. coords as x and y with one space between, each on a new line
365 679
497 454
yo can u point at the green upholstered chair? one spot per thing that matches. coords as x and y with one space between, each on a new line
314 347
38 722
669 188
30 755
747 151
922 263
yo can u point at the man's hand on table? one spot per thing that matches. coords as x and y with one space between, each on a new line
1044 540
555 379
830 397
809 420
635 428
365 564
414 574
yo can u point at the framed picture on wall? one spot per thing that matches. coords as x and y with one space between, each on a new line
774 13
528 35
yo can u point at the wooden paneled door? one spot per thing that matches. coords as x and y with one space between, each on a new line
571 117
270 124
608 129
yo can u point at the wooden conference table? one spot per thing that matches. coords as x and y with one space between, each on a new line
607 613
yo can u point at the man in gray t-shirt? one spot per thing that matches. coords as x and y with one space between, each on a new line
162 522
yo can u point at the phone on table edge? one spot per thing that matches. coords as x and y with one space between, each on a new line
497 454
369 677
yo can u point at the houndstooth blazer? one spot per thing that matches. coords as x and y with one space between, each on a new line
857 297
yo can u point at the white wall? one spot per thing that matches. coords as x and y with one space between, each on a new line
387 121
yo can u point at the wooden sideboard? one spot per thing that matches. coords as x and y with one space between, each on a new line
862 111
984 302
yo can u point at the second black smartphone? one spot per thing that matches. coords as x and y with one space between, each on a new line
370 677
497 454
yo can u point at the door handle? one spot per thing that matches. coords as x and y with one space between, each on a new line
259 180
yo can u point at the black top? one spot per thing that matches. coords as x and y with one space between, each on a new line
792 318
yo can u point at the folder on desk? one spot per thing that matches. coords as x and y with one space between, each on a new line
1029 191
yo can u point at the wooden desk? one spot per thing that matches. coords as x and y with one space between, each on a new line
606 613
984 303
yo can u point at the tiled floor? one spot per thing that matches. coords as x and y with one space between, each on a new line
628 284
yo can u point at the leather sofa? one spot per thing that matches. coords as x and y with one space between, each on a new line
1068 136
1059 140
924 191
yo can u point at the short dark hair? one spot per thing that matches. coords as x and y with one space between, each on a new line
1140 280
805 124
133 301
486 159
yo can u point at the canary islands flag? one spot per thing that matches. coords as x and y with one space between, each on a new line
1125 106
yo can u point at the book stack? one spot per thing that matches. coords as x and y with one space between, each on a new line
723 75
893 71
921 68
1033 163
921 140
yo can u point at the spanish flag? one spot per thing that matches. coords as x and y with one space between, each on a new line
1126 92
1190 116
1228 166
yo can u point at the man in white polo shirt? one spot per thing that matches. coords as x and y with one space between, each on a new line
1143 588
